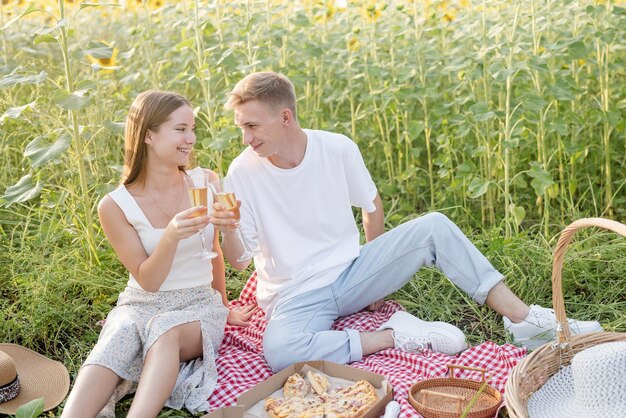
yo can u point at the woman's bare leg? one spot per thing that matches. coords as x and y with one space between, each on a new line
91 392
160 369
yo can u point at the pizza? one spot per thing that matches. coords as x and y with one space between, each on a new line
359 390
349 402
294 407
295 386
353 401
319 382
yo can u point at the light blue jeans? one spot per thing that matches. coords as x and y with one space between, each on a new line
299 329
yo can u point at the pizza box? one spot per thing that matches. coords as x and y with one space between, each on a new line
227 412
264 389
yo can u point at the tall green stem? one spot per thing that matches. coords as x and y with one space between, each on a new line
489 211
508 128
540 135
425 105
77 139
204 75
603 58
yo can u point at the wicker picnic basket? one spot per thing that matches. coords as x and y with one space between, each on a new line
448 397
538 367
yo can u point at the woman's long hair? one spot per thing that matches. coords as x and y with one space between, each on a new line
149 111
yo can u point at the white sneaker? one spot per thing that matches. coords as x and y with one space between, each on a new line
413 335
540 325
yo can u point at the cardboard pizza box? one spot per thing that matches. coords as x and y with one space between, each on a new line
267 387
227 412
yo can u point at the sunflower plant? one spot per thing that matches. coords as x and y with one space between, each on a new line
71 91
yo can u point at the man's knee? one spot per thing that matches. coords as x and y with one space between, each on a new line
282 348
437 219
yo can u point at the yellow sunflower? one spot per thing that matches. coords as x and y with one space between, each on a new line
373 10
353 44
151 4
14 2
104 63
133 4
155 4
326 11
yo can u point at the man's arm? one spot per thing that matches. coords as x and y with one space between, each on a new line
374 222
374 225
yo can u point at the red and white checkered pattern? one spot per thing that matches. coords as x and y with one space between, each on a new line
241 364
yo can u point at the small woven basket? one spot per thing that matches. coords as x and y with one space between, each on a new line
448 397
533 372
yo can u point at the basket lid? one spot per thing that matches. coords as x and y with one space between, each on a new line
450 396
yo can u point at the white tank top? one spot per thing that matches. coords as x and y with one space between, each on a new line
186 271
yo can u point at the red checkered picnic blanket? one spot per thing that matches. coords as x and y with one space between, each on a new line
241 365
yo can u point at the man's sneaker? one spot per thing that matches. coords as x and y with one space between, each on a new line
539 327
414 335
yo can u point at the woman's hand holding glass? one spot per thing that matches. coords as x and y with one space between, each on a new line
187 223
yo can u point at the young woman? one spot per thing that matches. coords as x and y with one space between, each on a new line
169 321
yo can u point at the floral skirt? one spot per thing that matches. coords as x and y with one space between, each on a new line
139 319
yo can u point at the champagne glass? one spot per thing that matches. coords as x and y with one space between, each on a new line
227 198
197 186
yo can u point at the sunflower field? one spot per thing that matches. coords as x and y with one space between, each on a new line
507 116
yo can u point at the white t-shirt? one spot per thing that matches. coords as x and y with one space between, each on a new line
301 218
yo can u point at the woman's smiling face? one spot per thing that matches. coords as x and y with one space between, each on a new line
175 138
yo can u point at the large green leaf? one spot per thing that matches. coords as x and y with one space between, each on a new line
541 178
85 5
481 112
518 213
479 108
22 191
478 187
40 151
31 409
187 43
226 54
71 101
578 50
301 20
44 38
13 79
46 30
562 90
534 102
15 112
115 127
416 127
30 9
98 50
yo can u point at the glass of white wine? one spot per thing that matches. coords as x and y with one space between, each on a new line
223 195
197 185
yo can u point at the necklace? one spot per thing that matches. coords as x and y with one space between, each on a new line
167 215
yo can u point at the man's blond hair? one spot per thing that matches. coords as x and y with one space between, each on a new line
267 87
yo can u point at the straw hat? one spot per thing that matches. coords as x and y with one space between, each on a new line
26 375
593 386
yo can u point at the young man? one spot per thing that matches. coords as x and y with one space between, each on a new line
297 188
